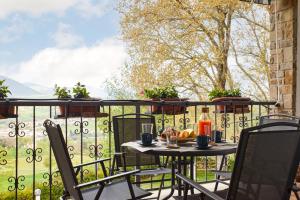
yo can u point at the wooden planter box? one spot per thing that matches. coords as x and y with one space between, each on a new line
7 111
237 109
78 111
168 109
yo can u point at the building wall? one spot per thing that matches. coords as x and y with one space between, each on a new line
298 64
283 78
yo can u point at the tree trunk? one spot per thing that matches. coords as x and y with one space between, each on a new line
222 71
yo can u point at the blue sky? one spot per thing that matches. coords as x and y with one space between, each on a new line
60 41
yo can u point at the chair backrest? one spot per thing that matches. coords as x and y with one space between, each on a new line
279 118
127 128
266 163
62 158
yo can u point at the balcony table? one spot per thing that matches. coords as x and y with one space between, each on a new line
186 150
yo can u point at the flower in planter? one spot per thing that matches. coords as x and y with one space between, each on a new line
217 93
4 91
161 92
80 91
62 92
168 93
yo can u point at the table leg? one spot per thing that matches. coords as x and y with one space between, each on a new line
179 171
218 176
192 172
172 179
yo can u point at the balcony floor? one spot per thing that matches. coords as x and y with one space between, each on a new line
209 186
165 192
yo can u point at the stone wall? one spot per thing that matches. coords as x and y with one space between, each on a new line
285 78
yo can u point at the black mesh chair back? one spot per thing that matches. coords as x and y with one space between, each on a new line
279 118
62 158
128 128
266 163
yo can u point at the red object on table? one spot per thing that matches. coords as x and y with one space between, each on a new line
204 125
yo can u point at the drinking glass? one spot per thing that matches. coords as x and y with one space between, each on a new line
146 135
147 128
172 138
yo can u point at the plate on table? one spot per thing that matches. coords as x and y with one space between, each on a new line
180 140
152 144
204 148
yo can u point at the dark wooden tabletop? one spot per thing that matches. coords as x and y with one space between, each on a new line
185 149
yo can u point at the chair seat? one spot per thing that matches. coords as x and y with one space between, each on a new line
221 193
224 174
115 191
153 172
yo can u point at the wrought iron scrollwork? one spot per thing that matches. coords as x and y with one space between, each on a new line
184 122
163 122
81 126
243 122
52 179
257 118
34 155
85 172
107 124
71 150
235 138
225 121
16 183
3 161
16 131
95 151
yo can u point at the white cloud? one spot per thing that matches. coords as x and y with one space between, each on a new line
14 31
90 65
34 7
85 8
64 37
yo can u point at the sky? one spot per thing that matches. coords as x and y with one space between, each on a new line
50 42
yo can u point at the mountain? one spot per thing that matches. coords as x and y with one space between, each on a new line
43 90
18 89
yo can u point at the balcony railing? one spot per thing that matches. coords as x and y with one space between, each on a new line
27 163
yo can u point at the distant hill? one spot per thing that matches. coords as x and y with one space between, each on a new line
43 90
18 89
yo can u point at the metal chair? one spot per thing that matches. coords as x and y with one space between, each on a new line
279 118
103 189
267 119
265 166
128 128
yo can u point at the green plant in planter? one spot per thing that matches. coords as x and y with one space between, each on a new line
217 93
4 91
62 92
80 91
161 92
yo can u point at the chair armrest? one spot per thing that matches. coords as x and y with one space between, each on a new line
86 164
199 187
106 179
90 163
118 153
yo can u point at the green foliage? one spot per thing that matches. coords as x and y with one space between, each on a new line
224 93
4 91
26 194
161 92
62 92
80 91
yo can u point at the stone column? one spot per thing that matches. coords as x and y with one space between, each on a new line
283 77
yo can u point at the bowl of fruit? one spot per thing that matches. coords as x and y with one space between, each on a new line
183 136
